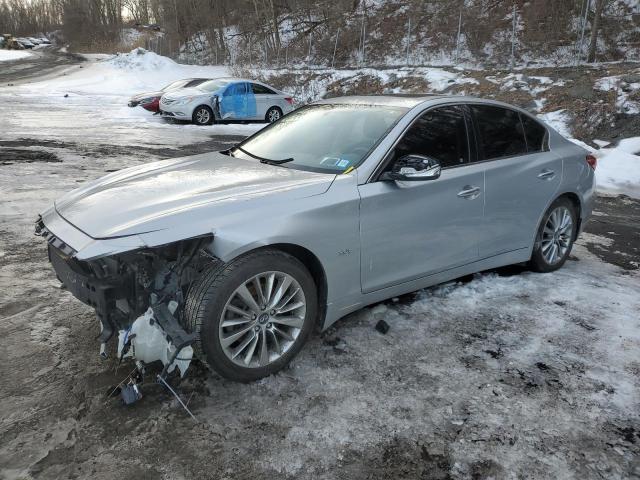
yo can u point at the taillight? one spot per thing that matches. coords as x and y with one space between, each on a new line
592 161
290 100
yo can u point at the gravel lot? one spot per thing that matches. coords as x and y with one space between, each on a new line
505 374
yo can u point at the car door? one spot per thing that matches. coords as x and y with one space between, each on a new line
238 102
410 230
264 99
521 178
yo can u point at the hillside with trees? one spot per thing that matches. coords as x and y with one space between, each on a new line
346 33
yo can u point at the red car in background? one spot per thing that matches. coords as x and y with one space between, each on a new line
151 100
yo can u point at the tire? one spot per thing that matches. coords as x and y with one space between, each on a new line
213 299
554 235
202 115
273 115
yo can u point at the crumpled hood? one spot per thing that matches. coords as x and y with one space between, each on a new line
149 197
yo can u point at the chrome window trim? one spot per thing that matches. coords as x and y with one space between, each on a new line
373 177
467 103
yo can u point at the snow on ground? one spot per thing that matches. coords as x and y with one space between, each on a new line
533 84
454 390
123 75
618 169
623 90
89 104
306 89
7 55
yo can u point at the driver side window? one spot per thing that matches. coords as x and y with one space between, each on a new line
440 134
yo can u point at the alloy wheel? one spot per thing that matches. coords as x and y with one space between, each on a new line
274 115
556 235
262 319
203 116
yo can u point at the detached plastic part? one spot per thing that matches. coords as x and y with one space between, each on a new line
382 327
130 393
148 342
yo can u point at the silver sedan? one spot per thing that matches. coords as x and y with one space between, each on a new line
238 255
226 100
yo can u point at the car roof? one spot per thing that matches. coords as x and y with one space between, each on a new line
237 80
411 100
390 100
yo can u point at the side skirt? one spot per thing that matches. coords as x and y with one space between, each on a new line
344 306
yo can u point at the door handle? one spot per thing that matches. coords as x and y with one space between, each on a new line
469 192
546 174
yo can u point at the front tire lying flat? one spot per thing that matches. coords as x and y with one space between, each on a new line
555 237
253 315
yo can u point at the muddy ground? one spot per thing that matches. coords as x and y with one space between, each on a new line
507 374
42 61
494 389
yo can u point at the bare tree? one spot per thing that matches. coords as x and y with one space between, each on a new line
595 27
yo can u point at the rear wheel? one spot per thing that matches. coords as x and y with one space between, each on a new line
273 114
253 315
555 236
202 115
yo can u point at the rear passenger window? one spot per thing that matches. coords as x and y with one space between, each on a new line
535 134
440 134
261 89
500 132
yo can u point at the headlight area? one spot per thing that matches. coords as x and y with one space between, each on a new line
184 101
139 297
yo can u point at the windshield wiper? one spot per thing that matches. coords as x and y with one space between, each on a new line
268 161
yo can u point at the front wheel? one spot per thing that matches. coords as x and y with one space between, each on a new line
555 237
253 315
202 115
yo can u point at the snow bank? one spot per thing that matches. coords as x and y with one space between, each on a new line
123 75
558 120
6 55
623 90
141 59
89 103
618 168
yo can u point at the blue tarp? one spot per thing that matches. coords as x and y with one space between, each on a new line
238 101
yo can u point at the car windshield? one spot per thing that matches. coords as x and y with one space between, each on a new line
327 138
172 85
213 85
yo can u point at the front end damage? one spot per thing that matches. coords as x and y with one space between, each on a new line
138 296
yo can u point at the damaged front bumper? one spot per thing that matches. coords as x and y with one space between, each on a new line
157 335
136 294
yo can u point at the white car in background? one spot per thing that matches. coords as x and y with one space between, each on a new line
226 100
25 43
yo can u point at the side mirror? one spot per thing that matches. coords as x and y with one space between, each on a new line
413 168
